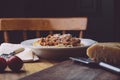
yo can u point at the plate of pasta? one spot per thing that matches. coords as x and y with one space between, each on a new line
58 46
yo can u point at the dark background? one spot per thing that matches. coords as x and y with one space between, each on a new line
103 15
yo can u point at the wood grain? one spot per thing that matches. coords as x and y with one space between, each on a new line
69 70
41 24
28 68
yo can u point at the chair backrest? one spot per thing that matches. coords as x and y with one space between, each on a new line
42 24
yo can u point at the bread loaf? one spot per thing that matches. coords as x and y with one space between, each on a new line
108 52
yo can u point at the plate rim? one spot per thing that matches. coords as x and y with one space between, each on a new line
53 47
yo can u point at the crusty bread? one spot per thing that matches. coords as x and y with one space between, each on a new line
108 52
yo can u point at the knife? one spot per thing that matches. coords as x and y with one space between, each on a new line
88 61
6 56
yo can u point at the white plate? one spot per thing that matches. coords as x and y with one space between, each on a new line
85 42
52 52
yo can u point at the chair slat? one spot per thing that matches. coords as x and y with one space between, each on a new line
25 35
63 32
51 32
42 24
37 34
6 36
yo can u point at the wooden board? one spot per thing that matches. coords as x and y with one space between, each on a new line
69 70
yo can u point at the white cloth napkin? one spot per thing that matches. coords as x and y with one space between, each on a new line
27 55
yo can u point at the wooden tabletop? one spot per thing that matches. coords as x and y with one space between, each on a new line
54 70
70 70
27 69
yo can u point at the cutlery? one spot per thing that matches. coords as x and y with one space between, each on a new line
12 53
88 61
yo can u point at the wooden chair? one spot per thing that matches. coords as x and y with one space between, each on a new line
42 24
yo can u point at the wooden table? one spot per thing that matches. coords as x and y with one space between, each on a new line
27 69
66 70
70 70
